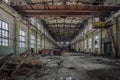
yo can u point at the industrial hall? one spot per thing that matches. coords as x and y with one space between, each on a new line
59 39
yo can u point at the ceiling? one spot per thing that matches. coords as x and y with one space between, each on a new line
63 28
61 2
63 18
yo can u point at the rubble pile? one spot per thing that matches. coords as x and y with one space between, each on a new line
24 67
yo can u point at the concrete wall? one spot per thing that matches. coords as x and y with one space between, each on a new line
17 22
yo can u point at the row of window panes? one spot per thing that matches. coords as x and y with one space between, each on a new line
32 41
3 25
39 46
21 44
3 29
22 33
97 42
3 42
38 41
22 39
32 37
90 42
3 33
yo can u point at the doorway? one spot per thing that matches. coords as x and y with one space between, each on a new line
107 48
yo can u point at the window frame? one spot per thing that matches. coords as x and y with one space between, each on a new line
6 37
32 41
39 43
21 36
90 43
97 41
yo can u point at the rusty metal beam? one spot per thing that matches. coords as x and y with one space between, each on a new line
63 14
56 11
64 10
42 15
68 7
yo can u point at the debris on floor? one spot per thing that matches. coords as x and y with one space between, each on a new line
81 67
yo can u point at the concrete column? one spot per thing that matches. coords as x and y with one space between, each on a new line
44 37
87 43
36 34
44 41
29 39
117 37
83 44
16 36
41 41
93 41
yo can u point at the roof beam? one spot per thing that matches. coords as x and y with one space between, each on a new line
57 11
64 10
63 14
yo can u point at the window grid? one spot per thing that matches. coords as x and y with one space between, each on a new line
38 43
90 43
22 38
4 31
32 41
97 41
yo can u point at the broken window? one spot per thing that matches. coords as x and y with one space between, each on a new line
4 31
22 38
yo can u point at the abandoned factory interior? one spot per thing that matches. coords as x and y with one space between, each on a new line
59 39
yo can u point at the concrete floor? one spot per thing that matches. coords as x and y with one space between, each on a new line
76 67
